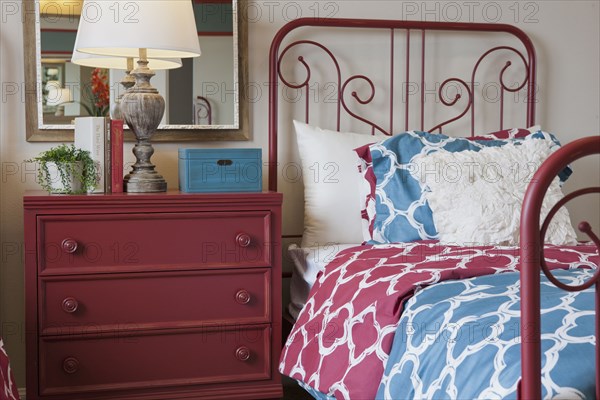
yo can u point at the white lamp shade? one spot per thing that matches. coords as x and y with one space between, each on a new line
58 96
166 28
98 61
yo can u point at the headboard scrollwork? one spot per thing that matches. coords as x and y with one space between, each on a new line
348 101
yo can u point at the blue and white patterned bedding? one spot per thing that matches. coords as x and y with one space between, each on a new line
446 312
402 213
461 339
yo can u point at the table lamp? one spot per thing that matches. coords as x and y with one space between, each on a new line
58 96
121 63
157 29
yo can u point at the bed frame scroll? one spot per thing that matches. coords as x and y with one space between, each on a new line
532 261
345 97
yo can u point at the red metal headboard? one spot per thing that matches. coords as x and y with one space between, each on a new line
421 28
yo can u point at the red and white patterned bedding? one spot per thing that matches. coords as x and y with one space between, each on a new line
343 336
8 388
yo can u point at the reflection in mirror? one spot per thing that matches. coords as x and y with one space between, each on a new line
202 95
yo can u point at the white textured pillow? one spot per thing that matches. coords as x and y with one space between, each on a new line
332 209
476 196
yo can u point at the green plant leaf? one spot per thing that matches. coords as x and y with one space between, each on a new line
66 157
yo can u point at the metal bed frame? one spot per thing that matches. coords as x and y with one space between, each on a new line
531 234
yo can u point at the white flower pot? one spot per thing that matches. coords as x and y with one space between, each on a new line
56 181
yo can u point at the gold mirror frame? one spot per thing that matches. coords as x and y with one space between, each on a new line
34 133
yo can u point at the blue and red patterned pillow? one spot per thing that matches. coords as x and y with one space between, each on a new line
394 206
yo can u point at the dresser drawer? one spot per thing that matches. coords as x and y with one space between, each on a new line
134 301
80 364
120 242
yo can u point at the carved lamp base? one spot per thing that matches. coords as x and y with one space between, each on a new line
143 178
145 185
143 108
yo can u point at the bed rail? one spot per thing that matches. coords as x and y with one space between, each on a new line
346 99
532 261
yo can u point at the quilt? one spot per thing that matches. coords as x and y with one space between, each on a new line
8 389
342 339
461 339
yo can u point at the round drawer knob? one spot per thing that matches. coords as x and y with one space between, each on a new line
70 365
243 239
242 353
242 297
69 245
70 304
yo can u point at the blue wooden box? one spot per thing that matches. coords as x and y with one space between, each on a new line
220 170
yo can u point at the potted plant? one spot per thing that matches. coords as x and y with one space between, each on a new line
66 169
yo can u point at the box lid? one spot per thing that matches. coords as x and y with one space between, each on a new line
185 153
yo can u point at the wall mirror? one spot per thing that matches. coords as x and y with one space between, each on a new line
203 98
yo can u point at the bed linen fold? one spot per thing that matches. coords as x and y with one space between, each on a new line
341 341
462 339
8 388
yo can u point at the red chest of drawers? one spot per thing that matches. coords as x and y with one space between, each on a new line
153 296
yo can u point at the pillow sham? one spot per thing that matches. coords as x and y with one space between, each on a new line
476 196
307 263
368 181
331 198
396 210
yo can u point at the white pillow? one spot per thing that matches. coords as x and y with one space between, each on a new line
332 209
476 196
308 262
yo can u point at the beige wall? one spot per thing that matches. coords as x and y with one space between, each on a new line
566 35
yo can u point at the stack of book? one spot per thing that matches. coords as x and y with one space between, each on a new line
103 138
